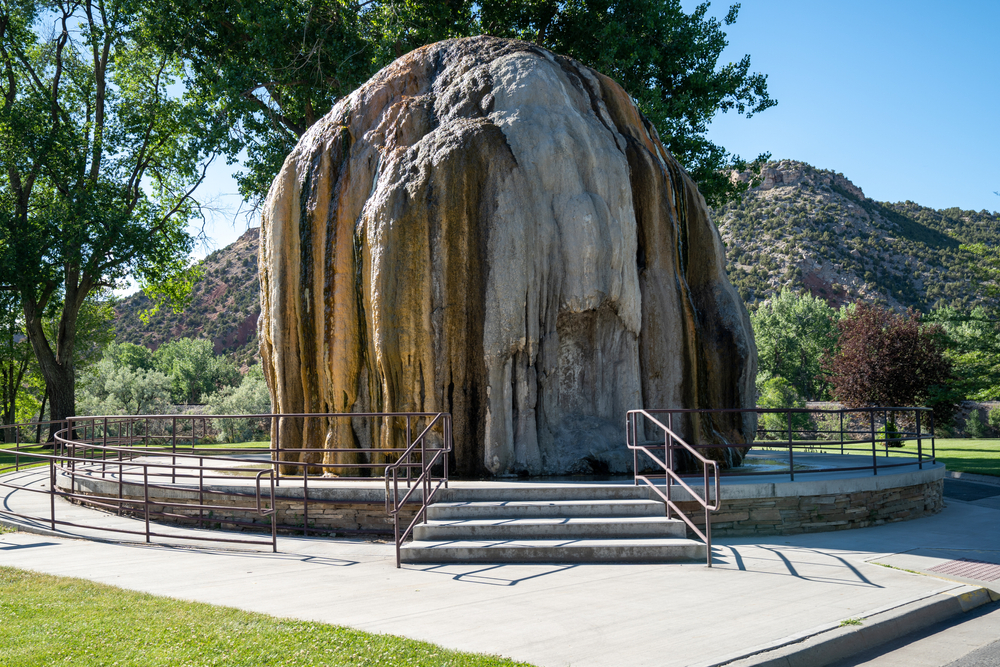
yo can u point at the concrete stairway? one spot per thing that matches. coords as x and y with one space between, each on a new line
558 524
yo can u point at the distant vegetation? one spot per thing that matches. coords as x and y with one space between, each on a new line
225 305
813 230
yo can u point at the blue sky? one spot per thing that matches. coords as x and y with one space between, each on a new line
901 97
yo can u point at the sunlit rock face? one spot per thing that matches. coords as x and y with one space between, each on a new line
492 230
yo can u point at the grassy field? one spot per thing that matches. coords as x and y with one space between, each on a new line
47 620
981 457
7 455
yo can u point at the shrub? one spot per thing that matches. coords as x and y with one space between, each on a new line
994 418
251 397
974 426
777 392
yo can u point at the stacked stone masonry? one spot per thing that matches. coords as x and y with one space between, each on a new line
808 514
776 515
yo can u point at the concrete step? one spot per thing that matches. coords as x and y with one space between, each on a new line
648 550
562 528
528 491
517 509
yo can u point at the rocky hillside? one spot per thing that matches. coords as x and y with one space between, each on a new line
809 228
224 308
802 227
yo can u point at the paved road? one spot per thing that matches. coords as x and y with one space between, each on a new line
969 491
970 640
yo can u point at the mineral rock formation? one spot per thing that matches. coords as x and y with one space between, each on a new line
490 229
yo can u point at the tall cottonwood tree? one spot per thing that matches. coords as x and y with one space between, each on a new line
98 163
280 65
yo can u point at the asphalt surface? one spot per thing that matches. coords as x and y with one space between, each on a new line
968 491
967 640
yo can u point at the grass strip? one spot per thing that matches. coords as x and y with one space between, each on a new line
981 457
46 620
8 455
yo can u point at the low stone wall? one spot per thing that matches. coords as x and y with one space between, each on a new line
789 515
747 508
328 512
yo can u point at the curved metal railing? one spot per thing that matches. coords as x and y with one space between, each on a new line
672 442
127 462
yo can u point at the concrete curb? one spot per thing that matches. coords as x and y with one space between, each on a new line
829 643
970 477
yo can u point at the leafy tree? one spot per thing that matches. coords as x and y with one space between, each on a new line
113 389
777 392
793 332
972 345
193 369
887 359
15 357
98 162
136 357
278 67
251 397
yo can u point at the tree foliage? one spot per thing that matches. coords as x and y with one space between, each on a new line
887 359
113 389
777 392
972 345
278 67
193 369
98 161
251 397
793 332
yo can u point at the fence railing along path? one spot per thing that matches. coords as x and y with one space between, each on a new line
146 458
846 431
143 455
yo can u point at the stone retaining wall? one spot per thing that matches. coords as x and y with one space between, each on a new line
772 508
789 515
329 516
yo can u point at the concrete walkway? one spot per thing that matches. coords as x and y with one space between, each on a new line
778 594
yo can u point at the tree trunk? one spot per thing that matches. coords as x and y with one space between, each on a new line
41 414
57 366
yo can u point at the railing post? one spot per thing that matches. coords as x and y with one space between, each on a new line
274 518
145 496
708 517
409 442
632 441
920 440
933 446
871 422
668 443
791 455
305 499
173 450
842 431
276 449
52 493
424 472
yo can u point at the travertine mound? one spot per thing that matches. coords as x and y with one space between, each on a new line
492 230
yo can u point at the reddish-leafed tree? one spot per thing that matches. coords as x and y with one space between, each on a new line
886 359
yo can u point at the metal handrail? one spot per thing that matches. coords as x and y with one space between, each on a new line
844 436
669 438
393 502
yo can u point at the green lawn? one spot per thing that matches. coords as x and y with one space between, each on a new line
47 620
981 457
7 455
